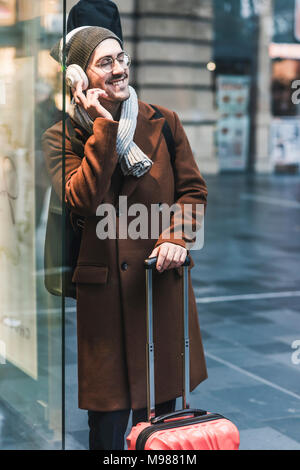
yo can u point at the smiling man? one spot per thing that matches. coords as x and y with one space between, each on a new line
108 74
124 152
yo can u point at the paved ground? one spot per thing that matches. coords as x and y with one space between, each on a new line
247 285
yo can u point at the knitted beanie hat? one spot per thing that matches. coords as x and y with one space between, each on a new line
81 43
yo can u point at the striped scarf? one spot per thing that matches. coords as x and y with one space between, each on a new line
132 159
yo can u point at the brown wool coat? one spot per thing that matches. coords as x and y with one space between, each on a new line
111 325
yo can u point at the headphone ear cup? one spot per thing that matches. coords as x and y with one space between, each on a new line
74 74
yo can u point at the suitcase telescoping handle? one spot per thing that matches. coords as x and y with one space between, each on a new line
150 264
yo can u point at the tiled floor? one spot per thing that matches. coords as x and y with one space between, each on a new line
247 286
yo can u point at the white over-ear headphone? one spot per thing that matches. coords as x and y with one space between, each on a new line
74 74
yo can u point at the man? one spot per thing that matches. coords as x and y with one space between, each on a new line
125 154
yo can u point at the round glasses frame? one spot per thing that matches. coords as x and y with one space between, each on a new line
107 63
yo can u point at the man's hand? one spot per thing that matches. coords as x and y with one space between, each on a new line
169 256
90 102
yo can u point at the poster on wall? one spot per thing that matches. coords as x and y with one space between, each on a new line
232 142
233 94
285 141
18 319
297 20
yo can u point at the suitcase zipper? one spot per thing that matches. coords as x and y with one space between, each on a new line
146 433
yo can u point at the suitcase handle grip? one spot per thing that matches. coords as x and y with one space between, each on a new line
175 414
150 263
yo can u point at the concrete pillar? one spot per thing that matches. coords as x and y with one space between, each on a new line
263 105
171 43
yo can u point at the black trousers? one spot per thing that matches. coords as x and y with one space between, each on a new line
107 429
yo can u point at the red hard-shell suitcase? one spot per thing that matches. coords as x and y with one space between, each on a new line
187 429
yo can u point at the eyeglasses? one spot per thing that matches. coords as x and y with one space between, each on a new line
107 63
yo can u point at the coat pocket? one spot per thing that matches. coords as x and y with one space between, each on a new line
90 275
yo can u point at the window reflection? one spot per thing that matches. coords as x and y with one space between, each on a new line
30 319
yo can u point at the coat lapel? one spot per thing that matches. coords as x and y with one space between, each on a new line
147 136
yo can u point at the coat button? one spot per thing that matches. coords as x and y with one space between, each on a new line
124 266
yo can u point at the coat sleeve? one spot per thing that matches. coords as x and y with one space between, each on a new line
87 179
190 193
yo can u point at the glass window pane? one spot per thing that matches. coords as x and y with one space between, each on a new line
30 318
